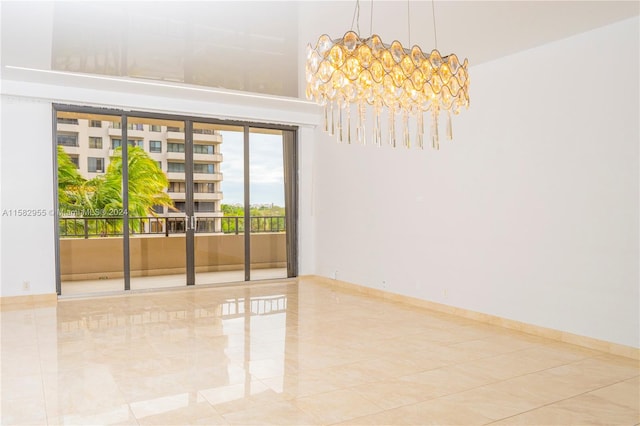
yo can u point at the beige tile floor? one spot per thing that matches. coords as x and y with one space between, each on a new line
298 353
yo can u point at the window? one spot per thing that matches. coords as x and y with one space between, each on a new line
96 165
138 143
202 206
177 187
158 209
95 142
67 120
135 126
203 168
155 128
74 159
116 143
175 147
116 125
67 139
175 167
95 123
180 205
174 129
204 187
155 146
159 163
203 149
204 131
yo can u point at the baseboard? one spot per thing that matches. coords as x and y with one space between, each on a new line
549 333
7 302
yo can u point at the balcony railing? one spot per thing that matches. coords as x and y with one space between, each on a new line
95 227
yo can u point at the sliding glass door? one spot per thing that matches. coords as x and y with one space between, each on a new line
148 201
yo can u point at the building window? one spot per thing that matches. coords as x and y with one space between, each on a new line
155 128
75 160
95 123
204 168
155 146
135 126
175 147
174 129
96 165
175 167
138 143
116 125
116 143
204 131
203 149
159 163
67 120
204 206
180 205
67 139
158 209
204 187
177 187
95 142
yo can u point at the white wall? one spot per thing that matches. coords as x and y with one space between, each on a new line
27 173
530 214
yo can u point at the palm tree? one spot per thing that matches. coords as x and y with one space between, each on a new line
102 196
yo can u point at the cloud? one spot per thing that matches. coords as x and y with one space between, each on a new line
265 168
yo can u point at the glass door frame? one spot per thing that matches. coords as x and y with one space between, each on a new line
290 147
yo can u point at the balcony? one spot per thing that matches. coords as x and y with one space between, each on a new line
211 158
115 132
172 135
207 196
206 177
219 245
201 137
175 156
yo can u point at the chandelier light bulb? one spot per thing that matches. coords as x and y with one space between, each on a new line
367 72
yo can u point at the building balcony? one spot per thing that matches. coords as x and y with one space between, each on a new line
207 196
135 134
115 132
210 158
175 156
206 177
177 196
175 136
67 127
207 138
175 176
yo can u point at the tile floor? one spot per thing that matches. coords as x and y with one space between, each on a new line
296 353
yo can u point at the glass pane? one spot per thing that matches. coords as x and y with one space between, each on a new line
90 205
156 203
268 232
218 194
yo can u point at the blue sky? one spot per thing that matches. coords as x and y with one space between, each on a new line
266 168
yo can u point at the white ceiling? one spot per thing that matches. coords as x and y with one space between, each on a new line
258 46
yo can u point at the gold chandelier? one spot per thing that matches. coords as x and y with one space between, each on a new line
366 72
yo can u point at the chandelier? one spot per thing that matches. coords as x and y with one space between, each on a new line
368 74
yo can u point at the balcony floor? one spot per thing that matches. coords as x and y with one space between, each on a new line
74 288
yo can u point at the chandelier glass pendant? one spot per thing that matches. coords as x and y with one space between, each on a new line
366 72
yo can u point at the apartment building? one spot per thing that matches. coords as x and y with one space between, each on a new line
90 145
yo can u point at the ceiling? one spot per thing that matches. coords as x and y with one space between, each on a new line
259 46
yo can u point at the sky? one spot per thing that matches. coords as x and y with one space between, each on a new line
265 169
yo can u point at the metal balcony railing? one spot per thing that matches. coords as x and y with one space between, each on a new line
95 227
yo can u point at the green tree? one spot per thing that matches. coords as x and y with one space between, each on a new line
102 196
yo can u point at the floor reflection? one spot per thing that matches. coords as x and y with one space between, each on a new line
301 352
